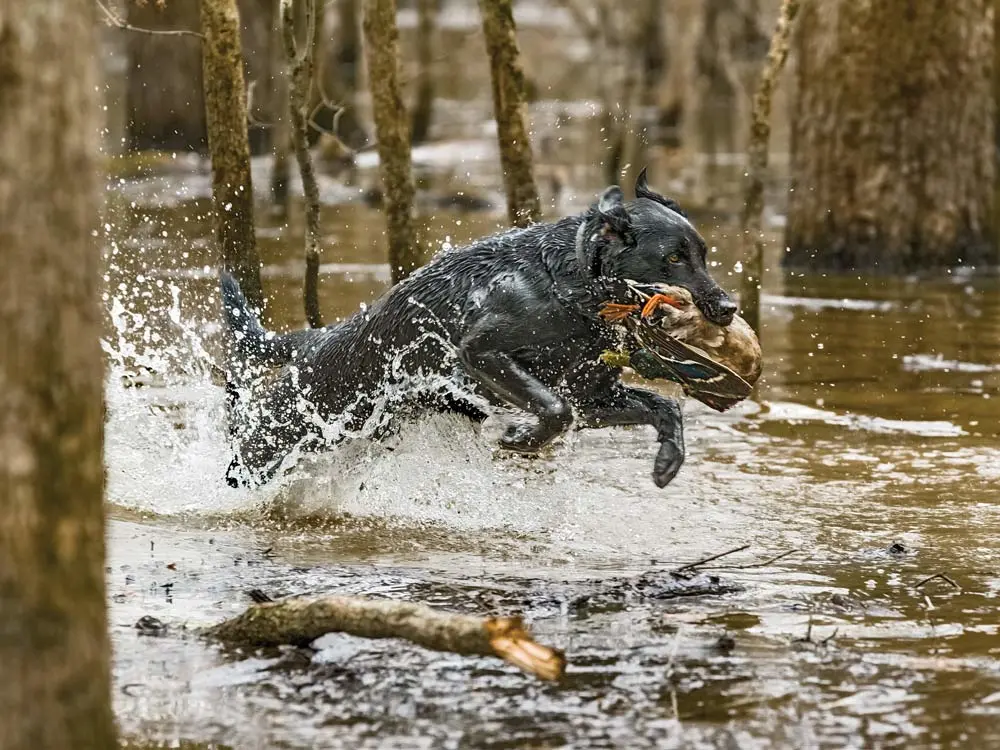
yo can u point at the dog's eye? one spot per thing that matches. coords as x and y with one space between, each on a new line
674 258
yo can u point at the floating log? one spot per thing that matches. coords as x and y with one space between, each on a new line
301 620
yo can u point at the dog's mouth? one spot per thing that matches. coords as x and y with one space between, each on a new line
717 309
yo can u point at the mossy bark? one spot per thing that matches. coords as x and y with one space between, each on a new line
54 648
892 148
392 131
509 108
226 116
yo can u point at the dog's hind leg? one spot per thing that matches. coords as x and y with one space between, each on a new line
264 429
610 404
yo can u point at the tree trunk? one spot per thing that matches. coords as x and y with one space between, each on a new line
392 132
226 115
757 158
301 69
523 205
423 106
54 646
892 138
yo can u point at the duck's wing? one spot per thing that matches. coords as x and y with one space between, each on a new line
703 378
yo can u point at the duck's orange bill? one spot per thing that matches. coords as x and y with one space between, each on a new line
656 300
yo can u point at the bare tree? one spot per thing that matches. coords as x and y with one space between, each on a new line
226 116
392 133
760 133
523 204
54 648
300 76
893 136
423 105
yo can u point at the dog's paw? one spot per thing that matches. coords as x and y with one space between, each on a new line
669 460
522 438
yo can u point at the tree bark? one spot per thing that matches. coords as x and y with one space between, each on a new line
226 116
893 134
757 157
423 105
55 692
523 205
392 132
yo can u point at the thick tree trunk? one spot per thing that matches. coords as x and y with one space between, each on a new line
423 105
392 131
55 691
226 115
893 136
523 205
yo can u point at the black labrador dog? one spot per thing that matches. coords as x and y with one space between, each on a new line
508 321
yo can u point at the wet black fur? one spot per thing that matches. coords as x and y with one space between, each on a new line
509 321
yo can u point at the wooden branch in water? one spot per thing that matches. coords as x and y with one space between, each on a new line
300 77
728 552
757 157
299 621
942 576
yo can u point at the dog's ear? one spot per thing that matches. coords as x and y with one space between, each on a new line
642 191
611 209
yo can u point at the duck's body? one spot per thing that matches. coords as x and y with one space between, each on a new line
717 365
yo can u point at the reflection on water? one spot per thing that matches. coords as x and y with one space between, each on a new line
872 455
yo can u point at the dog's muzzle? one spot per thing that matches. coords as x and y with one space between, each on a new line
720 311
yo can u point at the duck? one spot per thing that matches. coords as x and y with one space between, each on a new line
671 340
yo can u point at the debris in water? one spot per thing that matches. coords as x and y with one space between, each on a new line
299 621
149 625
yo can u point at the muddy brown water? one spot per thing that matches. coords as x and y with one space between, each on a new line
871 455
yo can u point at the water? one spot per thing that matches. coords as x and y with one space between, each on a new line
875 424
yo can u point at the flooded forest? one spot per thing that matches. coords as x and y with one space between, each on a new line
499 374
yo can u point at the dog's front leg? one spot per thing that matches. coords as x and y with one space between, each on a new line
621 405
504 377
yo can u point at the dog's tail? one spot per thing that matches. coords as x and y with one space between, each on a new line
252 346
249 339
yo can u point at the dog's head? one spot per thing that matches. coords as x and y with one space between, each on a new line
650 240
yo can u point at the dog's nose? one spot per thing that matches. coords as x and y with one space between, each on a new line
723 312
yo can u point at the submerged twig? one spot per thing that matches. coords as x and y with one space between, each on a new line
699 563
760 132
942 576
300 77
299 621
763 564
